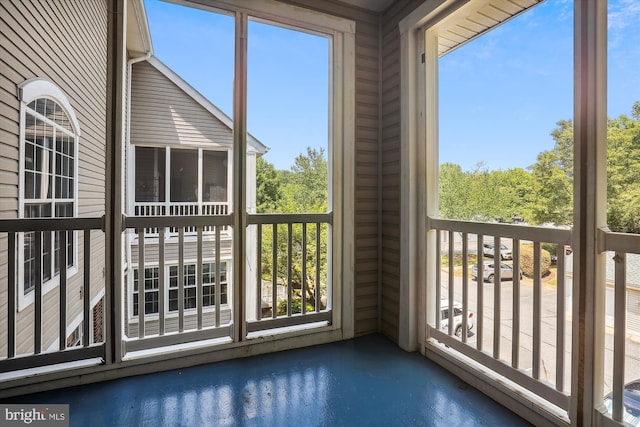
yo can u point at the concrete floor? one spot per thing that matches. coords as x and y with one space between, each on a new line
366 381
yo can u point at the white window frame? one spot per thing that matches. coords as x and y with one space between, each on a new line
341 149
167 170
28 91
133 318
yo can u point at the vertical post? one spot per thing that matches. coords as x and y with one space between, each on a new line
480 292
37 306
259 272
62 293
113 225
497 307
561 317
274 271
239 173
11 297
589 207
181 279
141 284
537 309
199 293
162 285
515 332
289 268
620 335
86 288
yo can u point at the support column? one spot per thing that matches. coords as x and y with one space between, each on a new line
590 156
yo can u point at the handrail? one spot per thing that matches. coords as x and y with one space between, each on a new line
25 225
510 231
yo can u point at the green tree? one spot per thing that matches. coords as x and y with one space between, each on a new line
623 172
303 189
268 186
553 179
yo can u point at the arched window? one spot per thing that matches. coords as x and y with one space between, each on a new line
49 135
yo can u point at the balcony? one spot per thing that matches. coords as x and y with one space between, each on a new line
520 330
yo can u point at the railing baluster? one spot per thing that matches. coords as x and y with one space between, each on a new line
274 272
451 283
480 293
304 268
465 286
436 303
289 268
537 293
515 331
619 336
218 286
141 284
11 296
181 279
62 294
163 281
37 314
199 293
497 285
86 321
318 264
259 272
560 319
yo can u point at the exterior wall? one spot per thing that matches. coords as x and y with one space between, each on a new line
367 216
391 165
64 42
163 114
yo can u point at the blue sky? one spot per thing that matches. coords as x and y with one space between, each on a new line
287 83
500 95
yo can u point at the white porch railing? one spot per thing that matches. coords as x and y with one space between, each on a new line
514 335
622 361
180 209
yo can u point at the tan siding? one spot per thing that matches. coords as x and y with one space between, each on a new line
161 113
65 42
391 164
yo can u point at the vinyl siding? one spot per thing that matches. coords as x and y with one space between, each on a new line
163 114
391 165
65 42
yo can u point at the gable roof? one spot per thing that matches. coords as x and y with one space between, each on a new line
189 90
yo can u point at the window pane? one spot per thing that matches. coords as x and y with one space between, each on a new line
150 174
214 176
288 110
184 175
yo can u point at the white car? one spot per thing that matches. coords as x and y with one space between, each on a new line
488 250
457 317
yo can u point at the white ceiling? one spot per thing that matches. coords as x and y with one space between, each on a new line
374 5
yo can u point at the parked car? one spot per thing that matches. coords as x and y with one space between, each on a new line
488 271
488 250
457 317
631 403
567 251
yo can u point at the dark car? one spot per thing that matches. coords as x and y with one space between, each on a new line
631 403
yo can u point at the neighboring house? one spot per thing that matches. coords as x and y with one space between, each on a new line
53 121
179 152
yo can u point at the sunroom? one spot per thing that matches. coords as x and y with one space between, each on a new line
178 255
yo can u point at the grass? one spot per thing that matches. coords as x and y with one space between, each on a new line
457 259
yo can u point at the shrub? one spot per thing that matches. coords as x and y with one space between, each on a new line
526 260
